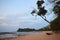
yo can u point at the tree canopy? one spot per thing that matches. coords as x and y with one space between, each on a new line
55 24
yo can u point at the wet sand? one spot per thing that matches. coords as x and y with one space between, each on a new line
40 36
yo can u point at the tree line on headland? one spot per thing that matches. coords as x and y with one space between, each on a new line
32 29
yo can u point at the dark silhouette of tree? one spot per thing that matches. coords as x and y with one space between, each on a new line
25 30
39 3
47 28
42 11
58 2
55 24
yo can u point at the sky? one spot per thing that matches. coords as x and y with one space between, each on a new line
16 14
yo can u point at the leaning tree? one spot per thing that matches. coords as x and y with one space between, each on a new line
55 24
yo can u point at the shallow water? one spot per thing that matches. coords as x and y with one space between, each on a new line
17 33
7 35
25 33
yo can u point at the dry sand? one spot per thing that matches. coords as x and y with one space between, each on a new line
41 36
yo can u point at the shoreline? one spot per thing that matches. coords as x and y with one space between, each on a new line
40 36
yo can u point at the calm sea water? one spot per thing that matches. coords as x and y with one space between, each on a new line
26 33
17 33
7 35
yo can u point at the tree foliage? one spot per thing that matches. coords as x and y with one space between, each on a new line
47 28
42 11
25 30
55 24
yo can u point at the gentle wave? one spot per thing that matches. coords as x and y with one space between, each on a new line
25 33
7 35
17 33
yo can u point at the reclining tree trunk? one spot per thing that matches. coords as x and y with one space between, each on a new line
55 24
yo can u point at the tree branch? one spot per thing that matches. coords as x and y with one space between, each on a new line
45 19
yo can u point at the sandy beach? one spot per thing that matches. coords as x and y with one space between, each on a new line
40 36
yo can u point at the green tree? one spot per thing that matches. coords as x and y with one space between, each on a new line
55 24
47 28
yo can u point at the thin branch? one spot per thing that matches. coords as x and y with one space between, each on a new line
45 19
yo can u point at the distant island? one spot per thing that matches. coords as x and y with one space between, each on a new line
31 29
25 30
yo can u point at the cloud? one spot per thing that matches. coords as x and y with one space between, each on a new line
26 20
8 25
1 17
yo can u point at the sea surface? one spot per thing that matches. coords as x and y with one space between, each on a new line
26 33
17 33
7 35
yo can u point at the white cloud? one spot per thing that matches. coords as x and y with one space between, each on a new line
1 17
8 25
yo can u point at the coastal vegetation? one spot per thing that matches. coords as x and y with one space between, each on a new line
55 24
47 28
25 30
